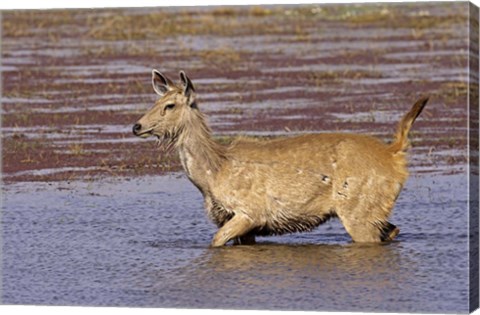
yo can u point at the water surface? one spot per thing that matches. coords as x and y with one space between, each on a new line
145 242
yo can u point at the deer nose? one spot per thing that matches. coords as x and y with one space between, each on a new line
136 128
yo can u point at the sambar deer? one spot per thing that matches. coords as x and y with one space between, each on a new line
291 184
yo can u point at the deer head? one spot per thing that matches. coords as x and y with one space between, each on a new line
166 119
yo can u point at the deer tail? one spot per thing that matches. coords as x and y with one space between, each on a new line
401 136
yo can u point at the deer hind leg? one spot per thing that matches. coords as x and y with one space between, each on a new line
364 215
363 231
366 221
388 231
237 227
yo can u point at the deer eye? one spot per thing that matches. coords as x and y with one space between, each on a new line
169 106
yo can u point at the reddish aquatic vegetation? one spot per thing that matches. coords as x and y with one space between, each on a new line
72 88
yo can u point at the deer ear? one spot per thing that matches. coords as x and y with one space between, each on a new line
188 88
161 84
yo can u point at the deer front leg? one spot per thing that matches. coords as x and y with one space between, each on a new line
238 226
247 239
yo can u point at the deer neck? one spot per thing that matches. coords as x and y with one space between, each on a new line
200 155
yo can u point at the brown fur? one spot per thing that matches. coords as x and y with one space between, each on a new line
293 184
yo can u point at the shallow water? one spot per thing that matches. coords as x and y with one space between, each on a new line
144 242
